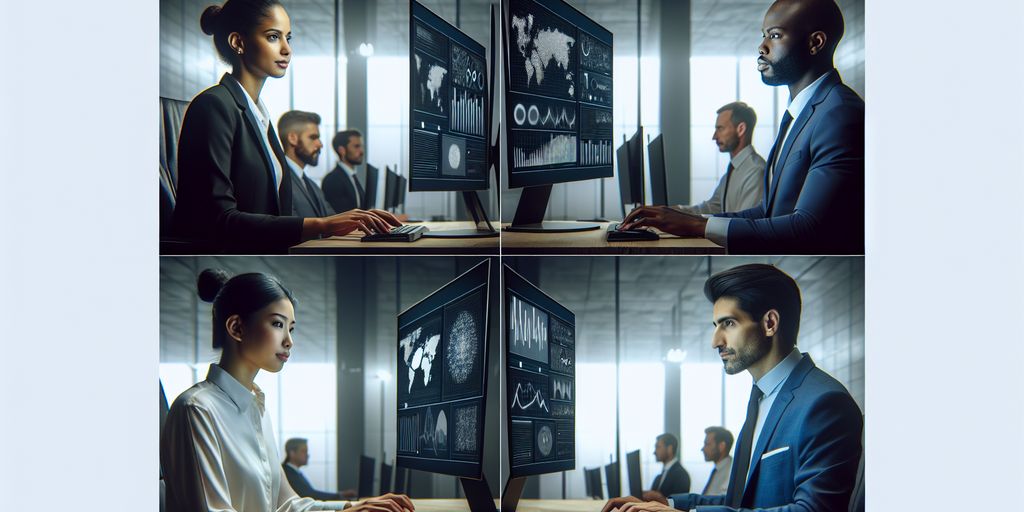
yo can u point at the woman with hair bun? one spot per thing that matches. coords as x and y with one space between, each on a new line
234 193
217 449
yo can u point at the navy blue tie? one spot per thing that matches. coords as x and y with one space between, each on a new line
742 462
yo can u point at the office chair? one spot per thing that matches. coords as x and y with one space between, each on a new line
164 409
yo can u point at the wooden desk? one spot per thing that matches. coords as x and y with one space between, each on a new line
426 505
595 242
351 244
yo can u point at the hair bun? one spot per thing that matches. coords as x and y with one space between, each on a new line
208 20
210 282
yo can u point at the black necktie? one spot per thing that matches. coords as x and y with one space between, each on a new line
359 190
710 478
311 188
725 194
742 461
779 141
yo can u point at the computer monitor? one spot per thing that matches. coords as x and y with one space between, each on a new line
558 104
540 346
659 180
391 186
630 160
442 380
636 486
449 106
370 191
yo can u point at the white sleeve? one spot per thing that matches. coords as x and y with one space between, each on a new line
717 230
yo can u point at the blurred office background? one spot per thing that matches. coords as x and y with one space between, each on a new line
350 65
643 330
684 59
338 388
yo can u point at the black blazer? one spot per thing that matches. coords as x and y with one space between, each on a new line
226 194
677 481
340 191
303 488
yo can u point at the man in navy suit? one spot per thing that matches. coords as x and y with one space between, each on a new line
814 182
297 455
801 442
300 138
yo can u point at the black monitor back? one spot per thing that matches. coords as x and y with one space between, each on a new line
390 188
385 478
449 106
540 344
636 485
441 404
659 180
611 474
558 114
370 187
594 483
366 466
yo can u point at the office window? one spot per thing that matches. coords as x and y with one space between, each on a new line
313 91
701 396
641 416
388 126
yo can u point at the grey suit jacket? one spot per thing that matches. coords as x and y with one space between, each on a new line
303 203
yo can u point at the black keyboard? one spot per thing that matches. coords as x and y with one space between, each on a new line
403 233
630 235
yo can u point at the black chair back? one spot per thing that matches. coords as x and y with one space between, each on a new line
385 478
636 485
172 113
611 475
366 467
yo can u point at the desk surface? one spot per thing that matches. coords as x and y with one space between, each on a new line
594 241
524 505
351 244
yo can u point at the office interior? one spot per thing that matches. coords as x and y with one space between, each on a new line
350 65
644 361
338 390
675 62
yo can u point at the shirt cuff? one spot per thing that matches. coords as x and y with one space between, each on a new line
717 230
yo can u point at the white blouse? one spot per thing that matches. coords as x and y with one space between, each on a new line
218 452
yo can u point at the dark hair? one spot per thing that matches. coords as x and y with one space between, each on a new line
241 295
291 445
242 16
669 440
721 436
759 287
341 139
741 113
293 119
829 19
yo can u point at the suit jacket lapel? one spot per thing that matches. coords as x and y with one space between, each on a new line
318 205
254 130
284 198
794 132
775 414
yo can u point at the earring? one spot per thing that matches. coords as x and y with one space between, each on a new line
239 51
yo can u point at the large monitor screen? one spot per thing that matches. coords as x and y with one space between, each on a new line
540 341
449 103
442 351
558 94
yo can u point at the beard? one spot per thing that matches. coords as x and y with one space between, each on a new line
785 70
748 355
309 159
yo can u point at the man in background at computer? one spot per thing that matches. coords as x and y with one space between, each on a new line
814 199
300 137
296 452
717 444
341 186
742 185
801 441
673 478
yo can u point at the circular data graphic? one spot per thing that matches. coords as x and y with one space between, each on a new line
454 156
533 115
519 113
545 440
462 347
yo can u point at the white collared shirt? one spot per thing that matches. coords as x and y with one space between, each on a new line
263 116
770 384
300 170
719 484
717 228
351 173
218 452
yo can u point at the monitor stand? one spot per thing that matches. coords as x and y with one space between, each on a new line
478 494
513 491
530 215
483 229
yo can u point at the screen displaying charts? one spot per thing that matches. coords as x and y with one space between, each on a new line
558 94
448 102
541 395
440 368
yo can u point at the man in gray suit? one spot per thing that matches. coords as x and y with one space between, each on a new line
742 186
300 138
